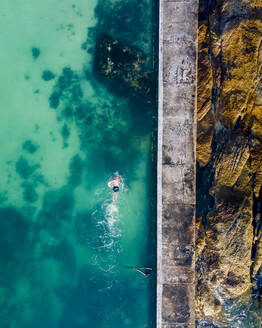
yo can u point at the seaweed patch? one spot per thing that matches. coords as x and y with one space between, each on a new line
76 171
35 52
65 132
30 195
24 169
67 88
57 207
54 99
47 75
30 147
14 234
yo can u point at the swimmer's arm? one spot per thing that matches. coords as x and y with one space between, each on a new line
110 183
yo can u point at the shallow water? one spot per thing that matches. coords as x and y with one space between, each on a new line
67 251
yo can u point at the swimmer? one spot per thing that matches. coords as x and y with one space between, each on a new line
115 185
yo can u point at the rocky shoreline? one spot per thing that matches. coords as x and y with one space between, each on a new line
229 155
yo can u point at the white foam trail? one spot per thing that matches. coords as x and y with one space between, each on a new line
112 219
107 217
107 245
111 214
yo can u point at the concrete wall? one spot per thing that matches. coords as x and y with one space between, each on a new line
176 163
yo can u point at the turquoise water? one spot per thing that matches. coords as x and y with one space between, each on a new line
67 251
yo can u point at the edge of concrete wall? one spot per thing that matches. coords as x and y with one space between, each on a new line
159 170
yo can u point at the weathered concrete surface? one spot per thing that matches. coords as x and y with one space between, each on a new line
176 164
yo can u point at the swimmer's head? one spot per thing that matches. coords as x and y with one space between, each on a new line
116 177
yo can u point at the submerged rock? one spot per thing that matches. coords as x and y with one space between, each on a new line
65 132
24 169
66 87
76 171
48 75
30 147
35 53
15 234
30 195
122 68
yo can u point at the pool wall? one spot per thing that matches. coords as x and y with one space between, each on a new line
176 163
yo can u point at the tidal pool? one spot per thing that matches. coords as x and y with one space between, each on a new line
78 105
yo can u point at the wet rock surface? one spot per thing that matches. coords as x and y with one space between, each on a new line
229 154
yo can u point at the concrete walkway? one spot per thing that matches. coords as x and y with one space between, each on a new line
176 164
